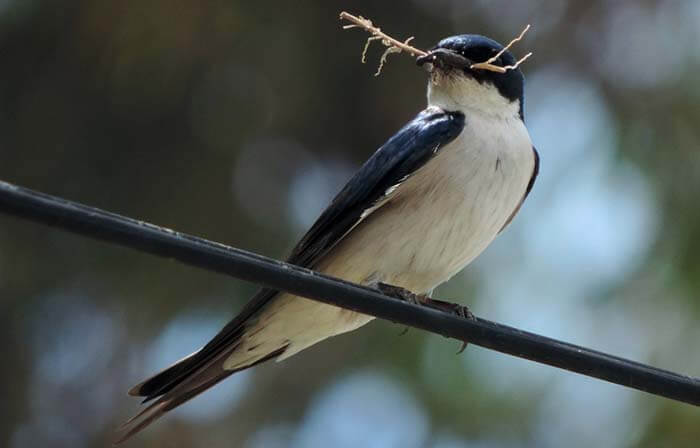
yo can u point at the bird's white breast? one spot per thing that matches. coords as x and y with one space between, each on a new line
446 213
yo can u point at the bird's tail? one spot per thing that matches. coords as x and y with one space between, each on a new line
182 383
199 371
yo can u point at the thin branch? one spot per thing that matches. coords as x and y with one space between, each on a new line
364 50
488 65
396 46
520 61
88 221
393 45
382 60
367 25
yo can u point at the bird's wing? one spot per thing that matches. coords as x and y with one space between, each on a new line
403 154
373 184
530 184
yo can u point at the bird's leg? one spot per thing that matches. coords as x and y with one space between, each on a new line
454 308
403 294
425 299
461 310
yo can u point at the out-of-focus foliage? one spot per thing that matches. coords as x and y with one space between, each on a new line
237 121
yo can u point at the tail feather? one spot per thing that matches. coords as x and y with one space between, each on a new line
162 379
150 414
199 371
190 384
169 378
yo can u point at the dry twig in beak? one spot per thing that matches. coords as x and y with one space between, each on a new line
488 65
396 46
393 45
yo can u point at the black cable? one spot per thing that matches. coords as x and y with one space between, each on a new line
145 237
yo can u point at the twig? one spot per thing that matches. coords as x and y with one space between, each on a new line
214 257
488 65
394 46
367 25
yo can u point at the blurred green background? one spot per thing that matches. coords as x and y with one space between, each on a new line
237 121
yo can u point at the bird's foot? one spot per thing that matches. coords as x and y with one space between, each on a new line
403 294
454 308
424 299
462 348
460 310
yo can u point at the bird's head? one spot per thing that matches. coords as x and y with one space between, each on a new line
455 84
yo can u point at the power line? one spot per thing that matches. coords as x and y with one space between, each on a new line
145 237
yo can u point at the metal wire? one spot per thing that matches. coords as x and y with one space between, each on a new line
145 237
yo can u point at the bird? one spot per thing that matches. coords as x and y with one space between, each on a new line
419 210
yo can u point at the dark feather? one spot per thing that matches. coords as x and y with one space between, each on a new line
530 184
195 384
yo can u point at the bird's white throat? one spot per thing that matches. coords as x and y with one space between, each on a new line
452 92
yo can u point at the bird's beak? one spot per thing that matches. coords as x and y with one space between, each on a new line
444 59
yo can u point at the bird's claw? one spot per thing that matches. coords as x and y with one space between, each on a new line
454 308
423 299
462 348
460 310
402 294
